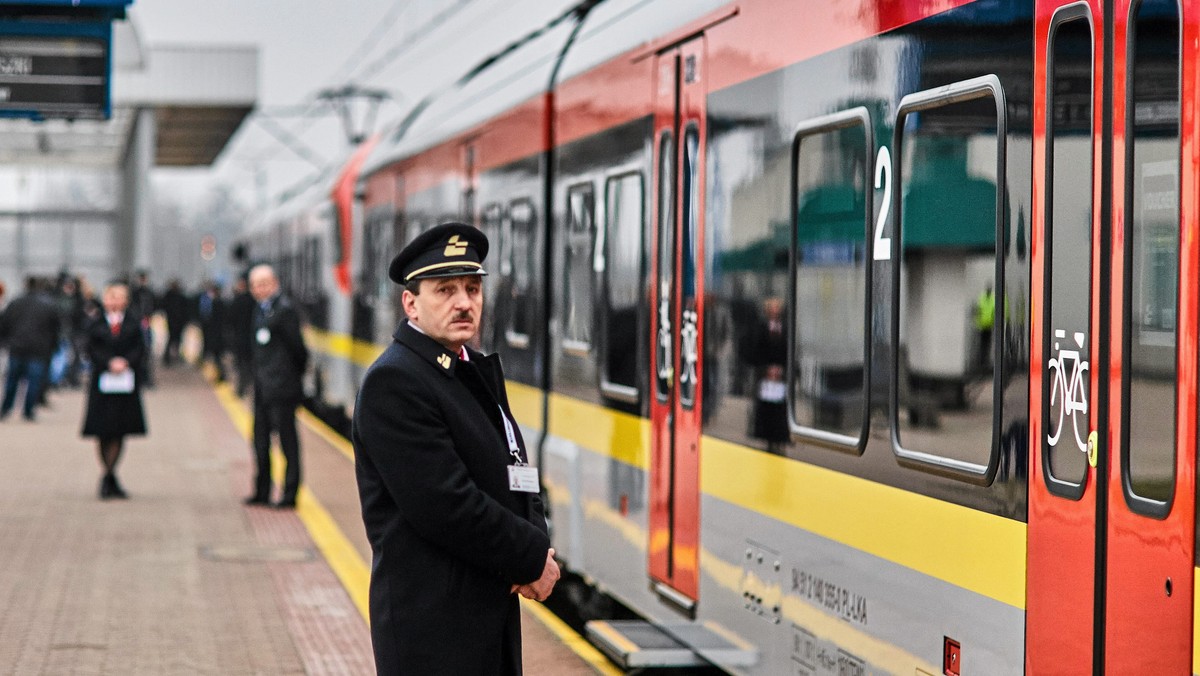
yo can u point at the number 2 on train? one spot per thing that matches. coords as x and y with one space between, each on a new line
883 179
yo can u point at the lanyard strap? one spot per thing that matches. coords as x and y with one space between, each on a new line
513 448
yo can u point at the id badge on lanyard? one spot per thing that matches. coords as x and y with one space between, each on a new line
521 477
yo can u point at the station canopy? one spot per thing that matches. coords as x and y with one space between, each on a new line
200 95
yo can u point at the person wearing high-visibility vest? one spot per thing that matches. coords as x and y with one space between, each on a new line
985 321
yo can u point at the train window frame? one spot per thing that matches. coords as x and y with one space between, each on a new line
516 339
1079 11
957 92
1139 504
629 394
845 119
570 345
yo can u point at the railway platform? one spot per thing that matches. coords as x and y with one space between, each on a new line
182 578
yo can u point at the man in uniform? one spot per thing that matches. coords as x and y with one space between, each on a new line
449 501
279 359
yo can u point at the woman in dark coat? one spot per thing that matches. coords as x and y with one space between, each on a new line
770 421
114 405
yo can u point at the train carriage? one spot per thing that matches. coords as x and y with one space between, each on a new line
853 337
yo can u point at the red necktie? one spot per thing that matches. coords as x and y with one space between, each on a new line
116 328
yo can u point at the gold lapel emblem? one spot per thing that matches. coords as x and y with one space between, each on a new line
444 360
455 247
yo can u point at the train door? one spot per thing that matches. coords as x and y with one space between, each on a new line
677 323
1113 371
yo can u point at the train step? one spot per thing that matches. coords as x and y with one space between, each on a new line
637 644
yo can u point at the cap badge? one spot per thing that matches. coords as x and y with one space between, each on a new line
444 360
454 247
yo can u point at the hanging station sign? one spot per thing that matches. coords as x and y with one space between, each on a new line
56 58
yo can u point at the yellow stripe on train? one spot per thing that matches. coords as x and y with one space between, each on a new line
342 346
900 526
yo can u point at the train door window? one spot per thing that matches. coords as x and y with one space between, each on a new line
521 259
578 264
688 334
666 265
1152 255
948 282
1067 297
828 381
491 222
621 270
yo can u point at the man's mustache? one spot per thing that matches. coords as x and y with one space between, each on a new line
462 316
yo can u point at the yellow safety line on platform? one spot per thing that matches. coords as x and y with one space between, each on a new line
335 547
326 432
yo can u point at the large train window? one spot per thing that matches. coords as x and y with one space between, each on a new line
829 318
948 278
621 270
1067 297
521 259
577 265
1151 255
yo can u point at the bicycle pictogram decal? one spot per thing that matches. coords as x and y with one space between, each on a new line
1067 373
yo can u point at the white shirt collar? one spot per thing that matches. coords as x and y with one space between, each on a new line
462 351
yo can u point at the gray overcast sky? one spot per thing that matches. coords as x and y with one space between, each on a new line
307 45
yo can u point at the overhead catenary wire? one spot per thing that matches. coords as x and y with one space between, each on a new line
309 109
345 72
412 39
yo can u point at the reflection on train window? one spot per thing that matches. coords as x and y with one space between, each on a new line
830 292
622 280
947 287
1067 345
490 222
664 292
520 263
689 331
1152 180
376 246
577 264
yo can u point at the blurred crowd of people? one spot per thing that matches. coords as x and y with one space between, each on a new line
43 328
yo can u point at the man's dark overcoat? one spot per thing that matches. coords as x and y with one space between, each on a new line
112 415
449 538
280 358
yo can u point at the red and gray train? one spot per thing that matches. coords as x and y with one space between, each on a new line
852 337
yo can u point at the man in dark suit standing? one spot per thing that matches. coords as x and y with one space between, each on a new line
450 503
279 360
30 326
210 311
241 325
175 310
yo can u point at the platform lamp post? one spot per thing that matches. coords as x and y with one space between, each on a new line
357 107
